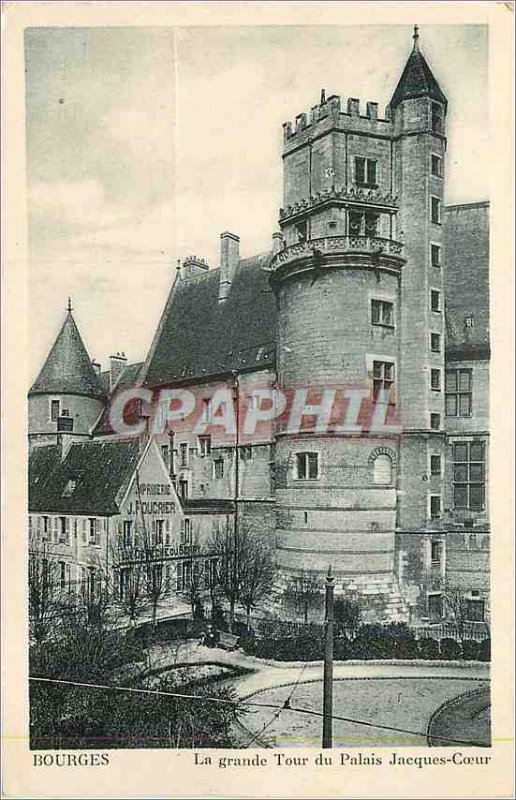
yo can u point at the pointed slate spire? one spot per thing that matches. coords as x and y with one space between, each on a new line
68 368
417 79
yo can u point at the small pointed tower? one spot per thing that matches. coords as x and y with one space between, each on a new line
66 398
418 111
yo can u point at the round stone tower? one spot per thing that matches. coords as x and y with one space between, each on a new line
66 398
342 334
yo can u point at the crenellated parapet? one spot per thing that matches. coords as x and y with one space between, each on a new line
329 113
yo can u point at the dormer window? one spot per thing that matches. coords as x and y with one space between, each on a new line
70 487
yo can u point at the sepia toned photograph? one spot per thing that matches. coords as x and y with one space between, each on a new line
258 407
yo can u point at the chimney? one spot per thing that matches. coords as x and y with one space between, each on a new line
277 242
229 258
96 366
116 367
193 266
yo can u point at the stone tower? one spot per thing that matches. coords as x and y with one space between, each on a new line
66 398
356 283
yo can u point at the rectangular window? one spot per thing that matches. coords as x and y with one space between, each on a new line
307 466
437 118
183 489
435 380
458 392
46 530
435 342
246 452
435 255
365 171
218 468
435 422
62 574
355 223
371 224
435 506
435 607
204 446
158 531
164 455
469 475
437 166
435 210
435 465
54 410
127 539
382 313
94 532
206 409
62 531
436 554
302 231
474 609
435 300
383 379
186 531
183 454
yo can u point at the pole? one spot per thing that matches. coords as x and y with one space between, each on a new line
236 405
328 664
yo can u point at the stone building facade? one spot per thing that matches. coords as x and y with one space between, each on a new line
373 288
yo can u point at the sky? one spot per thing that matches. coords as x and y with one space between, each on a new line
144 144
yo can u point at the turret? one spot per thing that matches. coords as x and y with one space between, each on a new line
66 398
418 111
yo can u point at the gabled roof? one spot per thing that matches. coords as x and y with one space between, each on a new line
417 80
466 280
68 368
100 470
198 336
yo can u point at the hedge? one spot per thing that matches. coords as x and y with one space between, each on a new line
306 643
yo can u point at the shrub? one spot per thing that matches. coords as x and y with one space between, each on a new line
450 649
470 650
484 650
428 648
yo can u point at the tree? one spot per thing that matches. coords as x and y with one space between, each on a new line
245 566
44 592
347 614
304 591
456 608
257 574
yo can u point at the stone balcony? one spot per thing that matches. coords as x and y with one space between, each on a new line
331 251
358 196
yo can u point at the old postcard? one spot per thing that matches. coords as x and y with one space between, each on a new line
257 443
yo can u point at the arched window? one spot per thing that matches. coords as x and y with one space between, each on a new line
382 470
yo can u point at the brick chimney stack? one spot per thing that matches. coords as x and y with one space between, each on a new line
229 258
117 365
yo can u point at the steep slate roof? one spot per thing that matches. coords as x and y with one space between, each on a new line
128 378
466 279
417 80
68 368
100 470
198 336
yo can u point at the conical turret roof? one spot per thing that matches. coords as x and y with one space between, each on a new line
417 79
68 369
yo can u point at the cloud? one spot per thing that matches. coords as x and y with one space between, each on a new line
75 205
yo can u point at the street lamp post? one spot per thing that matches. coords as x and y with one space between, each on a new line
328 664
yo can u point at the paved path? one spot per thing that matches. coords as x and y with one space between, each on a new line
265 675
